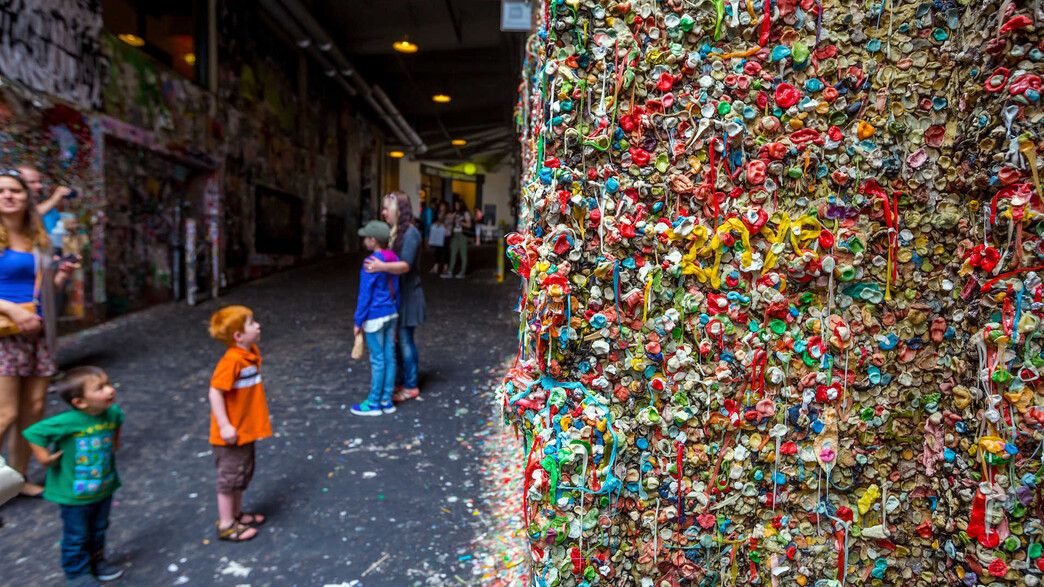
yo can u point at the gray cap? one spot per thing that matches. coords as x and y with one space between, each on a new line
377 229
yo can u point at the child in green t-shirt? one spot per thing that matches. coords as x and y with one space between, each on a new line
81 472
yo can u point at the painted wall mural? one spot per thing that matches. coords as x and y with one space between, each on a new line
782 293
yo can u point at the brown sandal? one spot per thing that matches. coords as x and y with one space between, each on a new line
234 533
255 519
405 394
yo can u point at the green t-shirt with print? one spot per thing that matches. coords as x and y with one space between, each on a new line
86 471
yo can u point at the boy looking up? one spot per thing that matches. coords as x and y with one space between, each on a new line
81 472
376 313
238 417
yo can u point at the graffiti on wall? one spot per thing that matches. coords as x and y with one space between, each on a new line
52 46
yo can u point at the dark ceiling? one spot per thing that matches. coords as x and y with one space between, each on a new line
462 53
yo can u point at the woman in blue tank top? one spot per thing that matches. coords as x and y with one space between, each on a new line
26 358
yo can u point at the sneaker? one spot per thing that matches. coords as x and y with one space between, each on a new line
446 275
388 408
104 571
366 409
83 581
459 275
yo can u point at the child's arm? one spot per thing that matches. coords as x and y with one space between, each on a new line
46 457
217 405
116 441
362 303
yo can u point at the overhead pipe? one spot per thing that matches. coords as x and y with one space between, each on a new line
334 62
273 7
397 117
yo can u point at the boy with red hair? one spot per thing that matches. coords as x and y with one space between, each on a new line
239 416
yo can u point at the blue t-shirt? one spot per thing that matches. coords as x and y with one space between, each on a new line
51 219
17 276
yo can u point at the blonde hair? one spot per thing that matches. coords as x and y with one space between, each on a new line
32 224
227 321
398 203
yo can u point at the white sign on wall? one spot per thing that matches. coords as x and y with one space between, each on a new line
54 46
516 15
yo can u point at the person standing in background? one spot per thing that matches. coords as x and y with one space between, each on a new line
426 219
462 226
438 238
47 208
478 216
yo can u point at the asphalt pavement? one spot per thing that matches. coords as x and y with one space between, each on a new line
352 501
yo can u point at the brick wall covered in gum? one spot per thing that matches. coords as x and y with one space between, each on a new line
781 267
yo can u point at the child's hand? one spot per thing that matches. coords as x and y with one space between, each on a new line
357 331
52 459
228 433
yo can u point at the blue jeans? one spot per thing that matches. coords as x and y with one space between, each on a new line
83 537
382 364
406 358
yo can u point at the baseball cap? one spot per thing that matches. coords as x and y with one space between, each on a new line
377 229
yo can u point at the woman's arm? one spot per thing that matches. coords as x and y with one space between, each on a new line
26 320
64 271
395 267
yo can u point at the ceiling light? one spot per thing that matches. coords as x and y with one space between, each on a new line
396 154
190 58
441 98
132 40
405 46
458 142
470 168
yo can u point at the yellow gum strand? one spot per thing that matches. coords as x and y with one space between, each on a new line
774 239
1029 151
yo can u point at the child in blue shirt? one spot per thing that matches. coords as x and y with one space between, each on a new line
376 315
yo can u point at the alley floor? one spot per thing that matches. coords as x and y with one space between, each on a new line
387 501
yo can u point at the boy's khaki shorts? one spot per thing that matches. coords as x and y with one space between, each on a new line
235 465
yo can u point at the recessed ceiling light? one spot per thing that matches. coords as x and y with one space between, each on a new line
396 154
405 46
441 98
132 40
190 58
458 142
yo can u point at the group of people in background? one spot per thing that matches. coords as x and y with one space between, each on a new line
449 230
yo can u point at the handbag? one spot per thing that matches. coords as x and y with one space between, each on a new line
11 482
8 326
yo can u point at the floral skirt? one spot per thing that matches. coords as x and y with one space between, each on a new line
26 355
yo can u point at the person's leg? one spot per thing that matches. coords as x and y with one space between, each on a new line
454 251
463 254
230 466
9 388
99 524
378 364
76 556
32 397
408 349
390 371
237 504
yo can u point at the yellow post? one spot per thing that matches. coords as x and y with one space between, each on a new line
500 260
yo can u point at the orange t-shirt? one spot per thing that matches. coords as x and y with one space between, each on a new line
238 375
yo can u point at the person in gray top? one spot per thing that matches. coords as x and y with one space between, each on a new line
406 242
